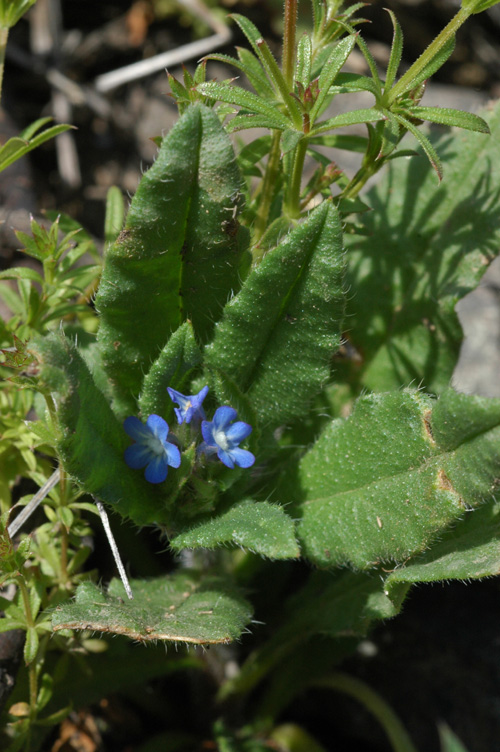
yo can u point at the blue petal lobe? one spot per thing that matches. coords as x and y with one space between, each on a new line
242 457
156 471
173 454
238 431
137 456
226 458
135 428
223 417
207 429
158 427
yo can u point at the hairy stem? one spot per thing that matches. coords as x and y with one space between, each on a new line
4 35
289 41
293 198
267 190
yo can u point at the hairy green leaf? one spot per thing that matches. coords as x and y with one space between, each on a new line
278 334
179 255
173 368
355 117
396 52
451 117
92 440
329 72
183 607
383 484
261 527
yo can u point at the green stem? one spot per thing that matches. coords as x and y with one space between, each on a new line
4 35
32 671
293 200
288 62
397 734
360 178
428 54
267 189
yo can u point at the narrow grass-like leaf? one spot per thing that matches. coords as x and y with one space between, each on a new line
351 82
242 98
254 72
304 61
182 607
15 147
446 116
22 272
291 303
354 117
449 741
178 257
383 484
332 67
244 121
424 142
260 527
396 53
409 83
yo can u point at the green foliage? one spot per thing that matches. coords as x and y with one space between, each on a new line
426 247
381 485
19 146
292 303
259 527
184 607
12 10
269 304
194 252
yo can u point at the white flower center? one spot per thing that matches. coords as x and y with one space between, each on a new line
220 439
154 445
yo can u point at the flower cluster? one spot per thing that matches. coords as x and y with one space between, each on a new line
154 448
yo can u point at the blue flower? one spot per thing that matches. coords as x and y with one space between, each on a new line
222 435
190 408
151 450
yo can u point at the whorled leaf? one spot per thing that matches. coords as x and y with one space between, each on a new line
182 607
383 484
179 256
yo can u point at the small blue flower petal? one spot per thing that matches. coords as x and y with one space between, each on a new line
190 407
207 432
238 432
223 417
156 471
158 427
137 456
226 458
152 450
135 428
222 435
242 457
173 454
